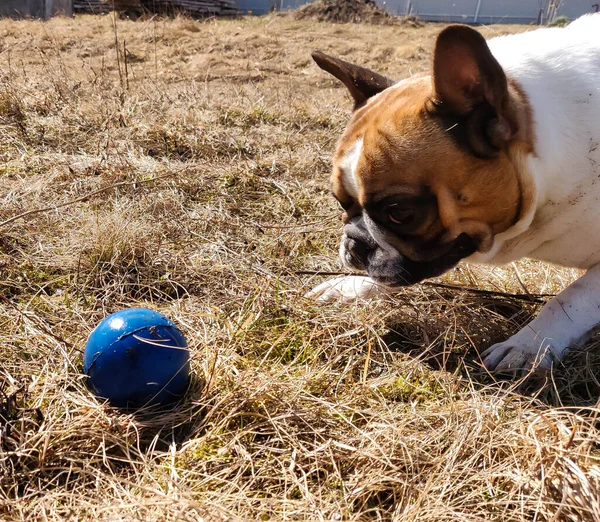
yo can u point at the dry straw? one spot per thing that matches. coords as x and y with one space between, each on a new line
201 191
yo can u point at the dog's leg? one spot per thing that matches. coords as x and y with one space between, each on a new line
569 318
346 289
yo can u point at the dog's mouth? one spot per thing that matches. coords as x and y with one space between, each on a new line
408 272
398 270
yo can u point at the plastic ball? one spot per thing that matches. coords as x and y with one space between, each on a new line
136 358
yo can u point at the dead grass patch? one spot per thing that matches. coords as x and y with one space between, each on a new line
207 161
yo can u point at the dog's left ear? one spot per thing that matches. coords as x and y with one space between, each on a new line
466 76
362 83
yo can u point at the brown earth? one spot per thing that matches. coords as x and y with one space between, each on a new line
345 11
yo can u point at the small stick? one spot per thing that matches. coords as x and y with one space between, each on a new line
125 60
537 298
514 265
155 55
114 20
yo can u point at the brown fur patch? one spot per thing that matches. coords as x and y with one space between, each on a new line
408 149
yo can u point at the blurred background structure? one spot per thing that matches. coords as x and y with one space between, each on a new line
490 11
36 8
466 11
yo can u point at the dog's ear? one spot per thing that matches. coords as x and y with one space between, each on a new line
362 83
467 78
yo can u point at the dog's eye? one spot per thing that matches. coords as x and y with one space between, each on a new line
402 216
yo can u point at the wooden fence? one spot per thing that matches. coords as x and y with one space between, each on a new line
192 7
35 8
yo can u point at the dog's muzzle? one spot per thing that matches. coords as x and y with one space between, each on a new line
359 250
384 264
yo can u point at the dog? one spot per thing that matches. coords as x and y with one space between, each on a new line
493 156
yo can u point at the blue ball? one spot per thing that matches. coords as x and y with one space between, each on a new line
137 357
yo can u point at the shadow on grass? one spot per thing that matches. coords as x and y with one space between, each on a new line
161 427
457 333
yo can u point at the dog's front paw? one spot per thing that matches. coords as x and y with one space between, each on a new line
345 290
518 356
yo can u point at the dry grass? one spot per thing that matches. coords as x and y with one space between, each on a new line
374 412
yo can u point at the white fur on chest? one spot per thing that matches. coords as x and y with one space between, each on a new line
559 70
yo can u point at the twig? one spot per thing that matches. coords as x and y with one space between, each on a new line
82 198
323 273
281 188
296 225
125 60
514 265
155 55
114 20
536 298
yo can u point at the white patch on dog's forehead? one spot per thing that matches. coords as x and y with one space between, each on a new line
348 168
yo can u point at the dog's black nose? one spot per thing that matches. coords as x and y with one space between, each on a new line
357 230
358 253
357 244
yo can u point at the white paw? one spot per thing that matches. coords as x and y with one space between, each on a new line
522 354
345 289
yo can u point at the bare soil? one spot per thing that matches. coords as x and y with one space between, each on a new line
345 11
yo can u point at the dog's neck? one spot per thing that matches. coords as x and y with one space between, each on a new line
521 150
558 106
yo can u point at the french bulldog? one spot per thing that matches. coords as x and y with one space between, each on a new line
493 156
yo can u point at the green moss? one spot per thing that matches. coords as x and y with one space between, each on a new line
276 336
17 279
419 385
248 118
205 451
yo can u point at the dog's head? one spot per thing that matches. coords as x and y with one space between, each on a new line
426 171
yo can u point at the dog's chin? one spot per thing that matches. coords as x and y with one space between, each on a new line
392 269
405 275
395 282
402 272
